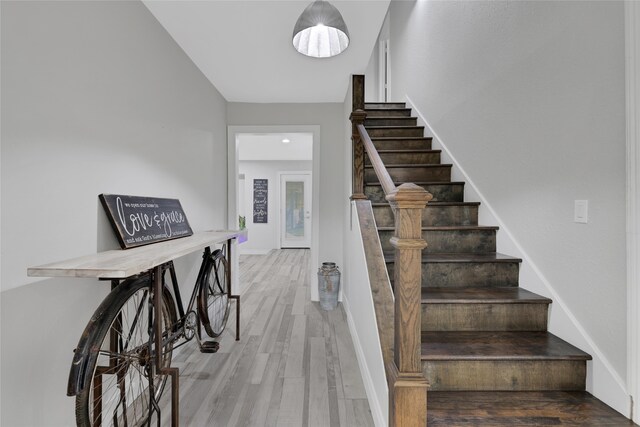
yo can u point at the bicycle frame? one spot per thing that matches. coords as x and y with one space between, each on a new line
163 336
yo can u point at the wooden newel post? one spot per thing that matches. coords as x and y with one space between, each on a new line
357 117
408 405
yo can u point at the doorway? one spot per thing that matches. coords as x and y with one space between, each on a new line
295 210
236 187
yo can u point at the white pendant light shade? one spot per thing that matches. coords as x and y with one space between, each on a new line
320 31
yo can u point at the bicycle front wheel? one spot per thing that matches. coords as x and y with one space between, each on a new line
213 297
125 385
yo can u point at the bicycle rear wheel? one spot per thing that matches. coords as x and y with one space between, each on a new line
213 296
125 386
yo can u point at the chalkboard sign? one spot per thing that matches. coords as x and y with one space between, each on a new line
140 221
260 201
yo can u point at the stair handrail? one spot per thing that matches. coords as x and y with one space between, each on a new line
381 171
405 379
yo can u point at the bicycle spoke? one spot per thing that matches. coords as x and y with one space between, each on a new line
123 392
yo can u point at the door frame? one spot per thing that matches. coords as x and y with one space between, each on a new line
632 68
280 199
232 190
384 68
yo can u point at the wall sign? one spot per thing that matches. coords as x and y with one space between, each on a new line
260 201
140 221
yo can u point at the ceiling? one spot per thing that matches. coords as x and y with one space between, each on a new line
245 47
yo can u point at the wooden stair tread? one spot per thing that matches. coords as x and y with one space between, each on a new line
385 103
475 295
394 127
462 257
415 165
408 150
391 117
436 203
400 138
397 184
449 228
387 109
469 257
477 345
521 408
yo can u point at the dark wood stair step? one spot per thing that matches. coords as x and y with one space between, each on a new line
408 156
481 296
502 361
435 214
388 112
495 257
441 191
498 346
450 239
523 408
466 270
390 121
412 172
398 142
384 105
483 309
393 131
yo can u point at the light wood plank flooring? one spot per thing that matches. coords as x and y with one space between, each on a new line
294 364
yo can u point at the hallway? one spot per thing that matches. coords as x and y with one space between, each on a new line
294 365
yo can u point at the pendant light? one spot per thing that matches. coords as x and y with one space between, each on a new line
320 31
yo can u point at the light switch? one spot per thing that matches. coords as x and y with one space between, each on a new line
581 211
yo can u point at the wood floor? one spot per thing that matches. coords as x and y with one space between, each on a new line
294 364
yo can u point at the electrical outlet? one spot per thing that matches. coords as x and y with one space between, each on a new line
581 211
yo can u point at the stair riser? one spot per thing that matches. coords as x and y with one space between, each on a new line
407 158
505 375
484 317
403 144
384 105
440 192
460 274
393 132
455 274
387 112
402 174
432 216
391 121
450 241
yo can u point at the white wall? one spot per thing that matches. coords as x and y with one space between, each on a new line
356 292
264 237
361 317
96 97
329 176
371 83
528 97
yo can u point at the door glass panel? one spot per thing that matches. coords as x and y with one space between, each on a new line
294 209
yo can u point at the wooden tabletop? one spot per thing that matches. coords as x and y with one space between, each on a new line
119 264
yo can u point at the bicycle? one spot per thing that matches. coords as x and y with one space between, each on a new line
121 364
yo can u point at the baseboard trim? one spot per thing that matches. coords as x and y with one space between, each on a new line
601 372
372 395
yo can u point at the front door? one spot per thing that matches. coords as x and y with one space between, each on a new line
295 210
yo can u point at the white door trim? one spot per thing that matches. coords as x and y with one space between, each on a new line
383 70
279 198
232 191
632 48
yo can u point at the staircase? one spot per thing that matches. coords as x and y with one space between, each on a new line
481 333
